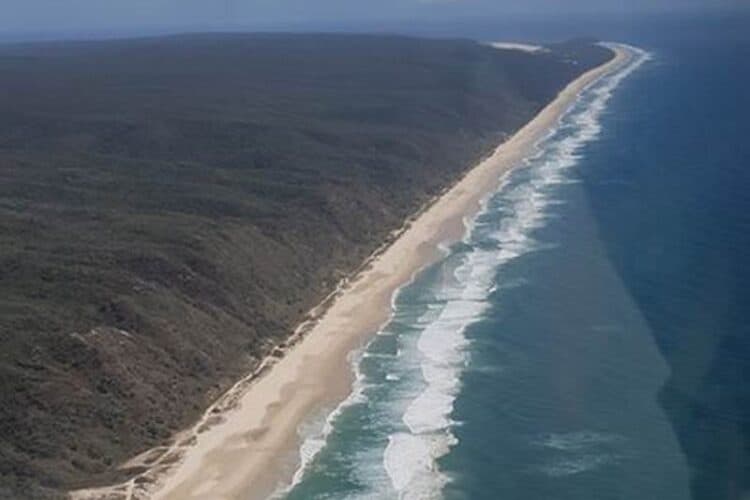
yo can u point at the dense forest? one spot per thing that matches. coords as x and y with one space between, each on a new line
170 208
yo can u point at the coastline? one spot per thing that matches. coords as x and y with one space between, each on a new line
247 442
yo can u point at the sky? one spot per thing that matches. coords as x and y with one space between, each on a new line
70 16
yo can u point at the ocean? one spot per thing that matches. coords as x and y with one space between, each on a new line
589 336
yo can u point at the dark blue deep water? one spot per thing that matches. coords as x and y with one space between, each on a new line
590 338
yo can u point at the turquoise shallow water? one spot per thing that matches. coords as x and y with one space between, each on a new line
587 339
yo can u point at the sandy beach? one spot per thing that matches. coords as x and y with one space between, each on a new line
247 443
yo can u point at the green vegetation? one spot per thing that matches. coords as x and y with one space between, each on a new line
171 207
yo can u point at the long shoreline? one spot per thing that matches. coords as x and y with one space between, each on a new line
247 443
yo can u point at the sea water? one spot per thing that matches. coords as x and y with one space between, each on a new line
559 351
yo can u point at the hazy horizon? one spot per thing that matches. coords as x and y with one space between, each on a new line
50 19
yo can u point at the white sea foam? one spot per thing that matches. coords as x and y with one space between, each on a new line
315 433
410 462
579 452
577 465
575 441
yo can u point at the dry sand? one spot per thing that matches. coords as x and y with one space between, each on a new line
247 444
525 47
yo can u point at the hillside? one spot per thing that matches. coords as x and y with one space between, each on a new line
170 208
